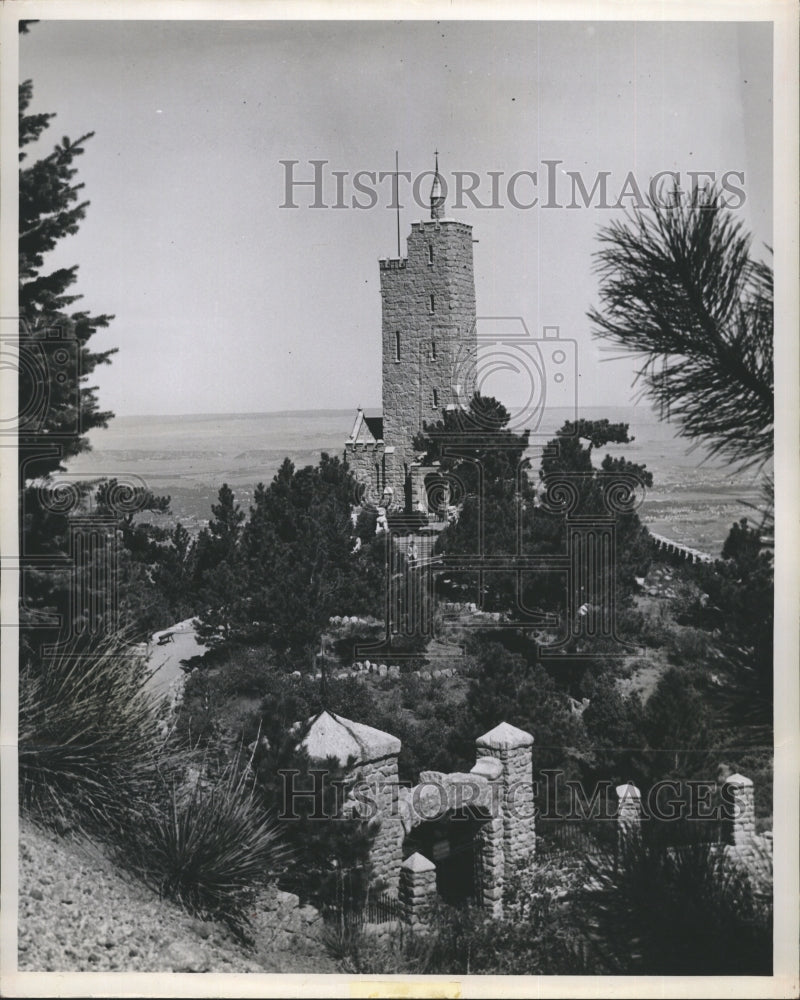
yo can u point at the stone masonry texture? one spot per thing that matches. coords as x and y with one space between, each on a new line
429 335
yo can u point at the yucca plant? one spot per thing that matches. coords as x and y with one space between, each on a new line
89 734
209 846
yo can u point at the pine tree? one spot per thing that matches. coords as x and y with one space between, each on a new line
56 406
219 569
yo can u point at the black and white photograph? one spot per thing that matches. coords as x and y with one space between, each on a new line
399 499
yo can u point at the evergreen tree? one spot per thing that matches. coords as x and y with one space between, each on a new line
173 574
298 560
485 466
738 606
682 289
570 455
219 570
676 724
56 406
508 687
614 725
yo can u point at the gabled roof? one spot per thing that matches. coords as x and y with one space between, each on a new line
366 430
375 425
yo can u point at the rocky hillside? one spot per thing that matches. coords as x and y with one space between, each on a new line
78 913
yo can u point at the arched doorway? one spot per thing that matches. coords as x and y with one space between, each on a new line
437 494
454 843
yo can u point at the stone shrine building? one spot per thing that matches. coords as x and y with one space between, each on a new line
429 355
453 834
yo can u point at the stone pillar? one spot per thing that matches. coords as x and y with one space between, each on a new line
417 890
371 757
629 810
512 748
490 844
387 848
490 836
741 825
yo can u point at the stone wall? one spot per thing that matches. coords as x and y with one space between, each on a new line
280 923
371 467
429 334
676 552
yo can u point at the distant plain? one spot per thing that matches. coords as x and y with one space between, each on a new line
694 499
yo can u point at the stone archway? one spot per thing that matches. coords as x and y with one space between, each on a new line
471 849
454 842
498 793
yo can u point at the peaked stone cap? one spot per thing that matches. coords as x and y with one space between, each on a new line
418 863
332 736
738 779
505 737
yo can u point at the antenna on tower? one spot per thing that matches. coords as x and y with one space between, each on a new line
397 195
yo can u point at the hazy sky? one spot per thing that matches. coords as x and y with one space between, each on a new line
226 302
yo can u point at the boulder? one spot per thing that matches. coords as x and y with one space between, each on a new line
183 957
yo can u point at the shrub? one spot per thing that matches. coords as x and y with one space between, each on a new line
688 646
198 716
686 911
460 941
249 674
209 846
360 953
88 733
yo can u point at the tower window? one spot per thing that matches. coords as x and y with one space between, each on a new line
432 304
430 253
397 345
433 350
435 398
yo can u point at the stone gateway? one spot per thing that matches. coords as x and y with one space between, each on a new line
493 803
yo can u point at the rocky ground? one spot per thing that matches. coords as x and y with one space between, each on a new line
78 913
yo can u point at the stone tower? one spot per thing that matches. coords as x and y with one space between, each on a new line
429 348
429 337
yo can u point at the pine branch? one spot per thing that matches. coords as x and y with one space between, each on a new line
680 290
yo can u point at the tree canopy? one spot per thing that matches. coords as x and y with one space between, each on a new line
281 573
56 405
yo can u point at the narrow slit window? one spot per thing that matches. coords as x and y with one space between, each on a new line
397 345
433 350
432 304
430 253
435 398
